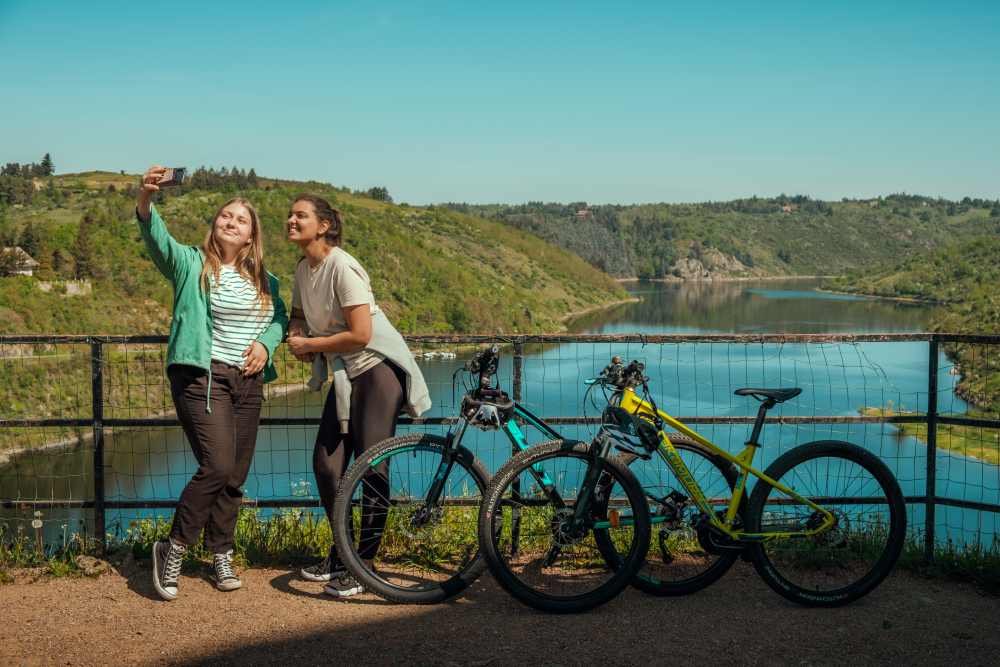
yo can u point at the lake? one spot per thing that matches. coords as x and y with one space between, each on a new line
687 379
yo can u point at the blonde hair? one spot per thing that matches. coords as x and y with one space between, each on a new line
250 259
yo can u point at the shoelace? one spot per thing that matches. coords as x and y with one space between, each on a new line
321 568
172 568
224 566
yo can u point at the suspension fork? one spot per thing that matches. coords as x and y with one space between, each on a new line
452 440
598 452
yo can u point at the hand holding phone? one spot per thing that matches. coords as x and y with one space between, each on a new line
172 176
155 178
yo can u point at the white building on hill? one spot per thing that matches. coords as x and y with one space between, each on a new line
25 264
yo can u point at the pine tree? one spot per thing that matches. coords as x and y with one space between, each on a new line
30 240
252 178
83 249
44 259
60 263
47 167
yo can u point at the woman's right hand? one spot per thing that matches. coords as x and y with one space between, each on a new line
297 327
150 179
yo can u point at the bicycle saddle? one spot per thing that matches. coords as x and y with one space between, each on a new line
776 395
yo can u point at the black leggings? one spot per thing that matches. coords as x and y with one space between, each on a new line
376 399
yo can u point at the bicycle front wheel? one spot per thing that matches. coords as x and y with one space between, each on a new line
397 544
532 544
850 559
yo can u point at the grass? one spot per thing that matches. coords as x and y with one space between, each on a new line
972 441
291 536
19 550
978 564
294 537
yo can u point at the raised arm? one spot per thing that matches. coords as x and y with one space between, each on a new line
168 255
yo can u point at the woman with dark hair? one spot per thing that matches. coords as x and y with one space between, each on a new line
375 375
227 321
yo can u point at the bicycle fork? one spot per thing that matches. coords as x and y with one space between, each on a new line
571 527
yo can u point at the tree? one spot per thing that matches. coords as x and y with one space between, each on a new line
252 178
47 168
83 249
60 263
9 262
8 236
379 193
30 240
44 259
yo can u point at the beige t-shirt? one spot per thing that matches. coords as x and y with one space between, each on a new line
324 290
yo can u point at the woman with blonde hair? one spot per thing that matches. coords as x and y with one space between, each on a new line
228 318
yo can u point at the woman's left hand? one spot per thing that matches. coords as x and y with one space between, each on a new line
299 345
256 357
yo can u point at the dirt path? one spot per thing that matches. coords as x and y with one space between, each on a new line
279 620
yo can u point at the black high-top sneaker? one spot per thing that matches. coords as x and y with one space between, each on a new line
167 559
224 577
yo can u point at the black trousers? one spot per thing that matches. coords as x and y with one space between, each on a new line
223 442
376 399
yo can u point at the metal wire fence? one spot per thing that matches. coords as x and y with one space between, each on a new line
89 442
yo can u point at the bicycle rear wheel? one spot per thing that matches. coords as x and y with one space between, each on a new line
425 553
847 561
685 555
527 537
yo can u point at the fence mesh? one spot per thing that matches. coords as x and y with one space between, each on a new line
851 388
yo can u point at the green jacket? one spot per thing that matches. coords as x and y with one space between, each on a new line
190 340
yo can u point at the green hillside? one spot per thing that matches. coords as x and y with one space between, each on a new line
749 237
433 269
962 277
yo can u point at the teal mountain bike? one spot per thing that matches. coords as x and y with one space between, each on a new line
419 545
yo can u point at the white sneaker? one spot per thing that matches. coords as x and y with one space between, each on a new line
224 577
344 586
167 559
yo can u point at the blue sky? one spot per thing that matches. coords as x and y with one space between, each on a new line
512 101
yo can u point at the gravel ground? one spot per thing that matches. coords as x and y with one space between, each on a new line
277 619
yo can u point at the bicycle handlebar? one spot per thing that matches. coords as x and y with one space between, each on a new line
621 376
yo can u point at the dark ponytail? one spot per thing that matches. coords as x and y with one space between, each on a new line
334 235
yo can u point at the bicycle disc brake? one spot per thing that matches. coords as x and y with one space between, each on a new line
422 521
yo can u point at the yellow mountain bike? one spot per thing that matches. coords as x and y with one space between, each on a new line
823 525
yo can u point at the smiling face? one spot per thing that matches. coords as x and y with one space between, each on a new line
233 227
303 225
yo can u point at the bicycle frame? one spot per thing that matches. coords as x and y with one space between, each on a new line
636 405
513 431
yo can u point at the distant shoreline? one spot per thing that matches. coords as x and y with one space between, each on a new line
720 279
902 299
593 309
85 434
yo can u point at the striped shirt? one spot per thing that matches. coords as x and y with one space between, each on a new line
237 318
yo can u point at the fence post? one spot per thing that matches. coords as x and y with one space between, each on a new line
515 515
932 420
97 414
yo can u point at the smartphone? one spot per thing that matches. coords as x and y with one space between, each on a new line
172 176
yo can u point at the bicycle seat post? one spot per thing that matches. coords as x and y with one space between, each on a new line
765 405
